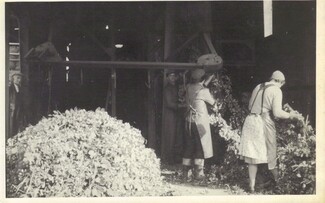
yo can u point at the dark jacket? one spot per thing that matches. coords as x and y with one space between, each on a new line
16 111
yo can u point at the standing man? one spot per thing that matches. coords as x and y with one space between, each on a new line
16 107
258 139
171 119
198 141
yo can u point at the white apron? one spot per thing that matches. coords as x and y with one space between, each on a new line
197 97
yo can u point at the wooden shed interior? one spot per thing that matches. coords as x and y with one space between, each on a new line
113 54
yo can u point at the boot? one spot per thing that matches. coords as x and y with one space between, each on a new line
276 187
199 173
185 173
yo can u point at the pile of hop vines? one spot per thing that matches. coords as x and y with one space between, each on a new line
296 155
82 153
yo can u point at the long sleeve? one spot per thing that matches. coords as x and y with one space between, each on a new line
206 96
170 99
277 105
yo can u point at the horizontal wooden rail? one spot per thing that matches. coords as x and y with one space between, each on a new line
127 64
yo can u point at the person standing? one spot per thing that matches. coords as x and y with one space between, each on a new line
258 139
198 141
16 107
171 120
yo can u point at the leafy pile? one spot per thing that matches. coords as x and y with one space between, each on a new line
82 153
297 157
226 126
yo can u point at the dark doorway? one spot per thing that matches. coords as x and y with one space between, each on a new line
131 98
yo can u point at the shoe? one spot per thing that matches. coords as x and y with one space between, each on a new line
199 173
277 190
185 171
266 184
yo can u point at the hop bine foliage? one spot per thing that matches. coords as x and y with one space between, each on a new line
82 153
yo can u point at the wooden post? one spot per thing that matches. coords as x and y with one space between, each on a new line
113 70
7 115
50 73
152 138
169 36
268 17
113 89
23 25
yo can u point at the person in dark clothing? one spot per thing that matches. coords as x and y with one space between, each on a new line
16 106
171 135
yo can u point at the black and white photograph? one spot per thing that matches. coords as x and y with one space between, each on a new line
166 99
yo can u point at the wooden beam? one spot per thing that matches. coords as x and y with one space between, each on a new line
207 38
268 17
183 46
127 64
113 93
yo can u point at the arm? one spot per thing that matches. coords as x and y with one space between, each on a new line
170 102
208 80
207 97
277 106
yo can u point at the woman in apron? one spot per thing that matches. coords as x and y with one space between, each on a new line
258 139
198 143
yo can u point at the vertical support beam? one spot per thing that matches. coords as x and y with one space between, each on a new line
50 74
169 28
7 118
111 46
268 17
113 89
24 48
152 137
169 36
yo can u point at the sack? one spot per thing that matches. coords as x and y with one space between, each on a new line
252 141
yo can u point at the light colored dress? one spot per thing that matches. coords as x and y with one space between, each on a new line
257 148
198 97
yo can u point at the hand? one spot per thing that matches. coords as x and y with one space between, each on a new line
215 108
296 115
209 79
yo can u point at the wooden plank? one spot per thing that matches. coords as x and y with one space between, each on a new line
268 17
169 33
126 64
207 38
152 135
113 90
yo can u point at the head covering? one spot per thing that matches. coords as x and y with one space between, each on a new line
15 72
197 74
278 75
170 71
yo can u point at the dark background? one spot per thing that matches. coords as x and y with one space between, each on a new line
237 34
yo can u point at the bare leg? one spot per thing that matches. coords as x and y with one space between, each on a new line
252 170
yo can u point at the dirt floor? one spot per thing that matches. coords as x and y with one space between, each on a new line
172 174
211 186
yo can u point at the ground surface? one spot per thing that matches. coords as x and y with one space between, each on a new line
172 174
